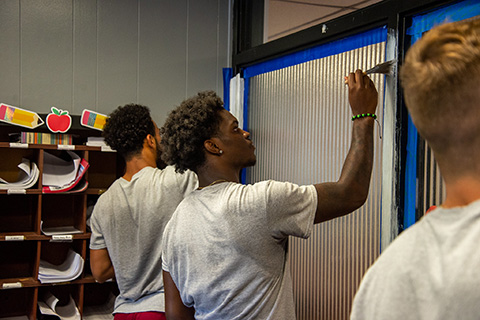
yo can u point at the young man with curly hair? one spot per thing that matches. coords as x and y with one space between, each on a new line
432 270
129 218
225 247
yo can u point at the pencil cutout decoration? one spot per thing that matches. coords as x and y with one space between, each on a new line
19 117
92 119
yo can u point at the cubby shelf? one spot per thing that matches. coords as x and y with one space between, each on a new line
23 244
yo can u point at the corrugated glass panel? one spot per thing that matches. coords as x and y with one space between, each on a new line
299 120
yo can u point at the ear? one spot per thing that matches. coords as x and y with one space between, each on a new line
211 147
150 141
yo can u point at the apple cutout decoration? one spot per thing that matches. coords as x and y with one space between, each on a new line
58 120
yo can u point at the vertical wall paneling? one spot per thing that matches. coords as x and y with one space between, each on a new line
224 29
162 54
202 64
99 54
84 56
10 53
117 52
46 53
300 123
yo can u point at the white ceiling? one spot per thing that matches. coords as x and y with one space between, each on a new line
284 17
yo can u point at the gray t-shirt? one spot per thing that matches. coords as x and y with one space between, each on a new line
226 248
128 220
431 271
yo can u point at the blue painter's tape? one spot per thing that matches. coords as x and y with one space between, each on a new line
227 76
457 12
354 42
410 176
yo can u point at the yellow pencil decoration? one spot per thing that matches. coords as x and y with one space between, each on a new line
19 117
92 119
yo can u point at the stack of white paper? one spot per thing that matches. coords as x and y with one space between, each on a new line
98 142
27 176
67 271
49 307
52 231
58 172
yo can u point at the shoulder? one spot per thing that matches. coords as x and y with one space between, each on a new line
392 275
111 190
187 177
386 287
279 186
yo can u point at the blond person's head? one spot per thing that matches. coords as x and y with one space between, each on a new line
441 82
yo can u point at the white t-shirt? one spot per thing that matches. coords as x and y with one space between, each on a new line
225 248
128 220
431 271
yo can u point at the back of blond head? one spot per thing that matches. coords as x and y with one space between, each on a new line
441 83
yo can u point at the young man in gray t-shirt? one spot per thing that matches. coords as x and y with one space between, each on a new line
225 247
129 218
431 271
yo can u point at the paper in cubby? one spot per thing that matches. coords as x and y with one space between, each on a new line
58 172
98 142
52 231
61 176
49 306
27 177
69 270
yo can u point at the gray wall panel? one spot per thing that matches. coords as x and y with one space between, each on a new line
46 66
224 36
10 52
163 54
117 53
98 54
202 49
84 56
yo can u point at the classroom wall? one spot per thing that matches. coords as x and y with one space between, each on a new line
98 54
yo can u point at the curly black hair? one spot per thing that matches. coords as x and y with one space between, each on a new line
187 127
127 127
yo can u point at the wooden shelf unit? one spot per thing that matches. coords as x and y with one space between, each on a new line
22 243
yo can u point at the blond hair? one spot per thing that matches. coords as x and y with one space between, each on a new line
441 83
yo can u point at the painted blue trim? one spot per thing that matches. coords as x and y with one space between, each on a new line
420 24
410 175
227 76
246 93
456 12
361 40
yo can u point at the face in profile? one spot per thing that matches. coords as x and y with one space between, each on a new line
158 138
235 142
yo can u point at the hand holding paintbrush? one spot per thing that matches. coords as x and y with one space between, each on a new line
383 68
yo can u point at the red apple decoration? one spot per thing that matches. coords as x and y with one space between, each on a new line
59 120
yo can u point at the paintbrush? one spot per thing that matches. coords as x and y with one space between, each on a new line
383 68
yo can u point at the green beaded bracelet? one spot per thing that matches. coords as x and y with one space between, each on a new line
363 115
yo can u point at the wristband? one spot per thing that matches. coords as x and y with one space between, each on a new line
363 115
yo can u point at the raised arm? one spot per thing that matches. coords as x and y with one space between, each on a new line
350 192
